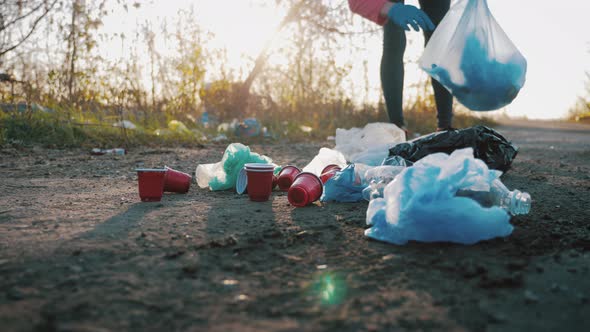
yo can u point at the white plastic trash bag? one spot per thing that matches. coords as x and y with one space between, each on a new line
474 59
369 145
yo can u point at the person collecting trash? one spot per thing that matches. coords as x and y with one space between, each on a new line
397 18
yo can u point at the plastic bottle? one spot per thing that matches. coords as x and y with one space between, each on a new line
100 152
514 202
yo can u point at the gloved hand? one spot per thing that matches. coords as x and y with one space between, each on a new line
404 15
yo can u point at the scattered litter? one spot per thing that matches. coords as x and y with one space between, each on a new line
220 138
151 184
514 202
176 181
306 189
329 171
306 129
368 145
324 158
378 178
228 127
125 124
242 297
259 181
178 127
345 186
249 128
223 175
230 282
421 205
474 59
488 145
287 176
116 152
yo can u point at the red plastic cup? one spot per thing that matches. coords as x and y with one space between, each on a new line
259 184
306 189
151 184
329 171
176 181
287 177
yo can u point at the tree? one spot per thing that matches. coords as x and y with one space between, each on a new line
19 20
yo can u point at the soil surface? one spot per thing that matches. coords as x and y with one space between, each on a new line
79 252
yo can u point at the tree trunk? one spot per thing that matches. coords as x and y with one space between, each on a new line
73 50
243 92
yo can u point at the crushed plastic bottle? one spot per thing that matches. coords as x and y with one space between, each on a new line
377 179
353 183
514 202
421 204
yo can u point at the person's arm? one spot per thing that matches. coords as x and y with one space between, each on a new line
374 10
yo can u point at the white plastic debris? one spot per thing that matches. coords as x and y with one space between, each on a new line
369 145
324 158
125 124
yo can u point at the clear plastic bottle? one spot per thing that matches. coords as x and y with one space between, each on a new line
514 202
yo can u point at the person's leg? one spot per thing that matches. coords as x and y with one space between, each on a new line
436 10
392 71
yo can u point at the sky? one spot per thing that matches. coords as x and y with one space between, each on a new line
553 36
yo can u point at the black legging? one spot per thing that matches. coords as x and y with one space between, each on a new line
392 67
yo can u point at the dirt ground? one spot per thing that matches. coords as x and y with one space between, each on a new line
79 252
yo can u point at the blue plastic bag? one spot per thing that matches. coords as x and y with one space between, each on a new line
474 59
421 203
345 186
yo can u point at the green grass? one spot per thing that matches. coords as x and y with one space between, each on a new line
53 130
61 129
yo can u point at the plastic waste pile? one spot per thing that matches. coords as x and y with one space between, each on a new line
487 144
474 59
223 175
345 186
357 182
368 145
441 187
249 128
422 204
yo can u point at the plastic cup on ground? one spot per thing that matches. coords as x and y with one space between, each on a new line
242 182
151 184
259 166
287 177
259 184
306 189
176 181
329 171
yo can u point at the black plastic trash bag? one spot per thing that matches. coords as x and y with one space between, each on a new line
488 145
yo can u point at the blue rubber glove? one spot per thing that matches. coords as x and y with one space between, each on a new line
404 15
